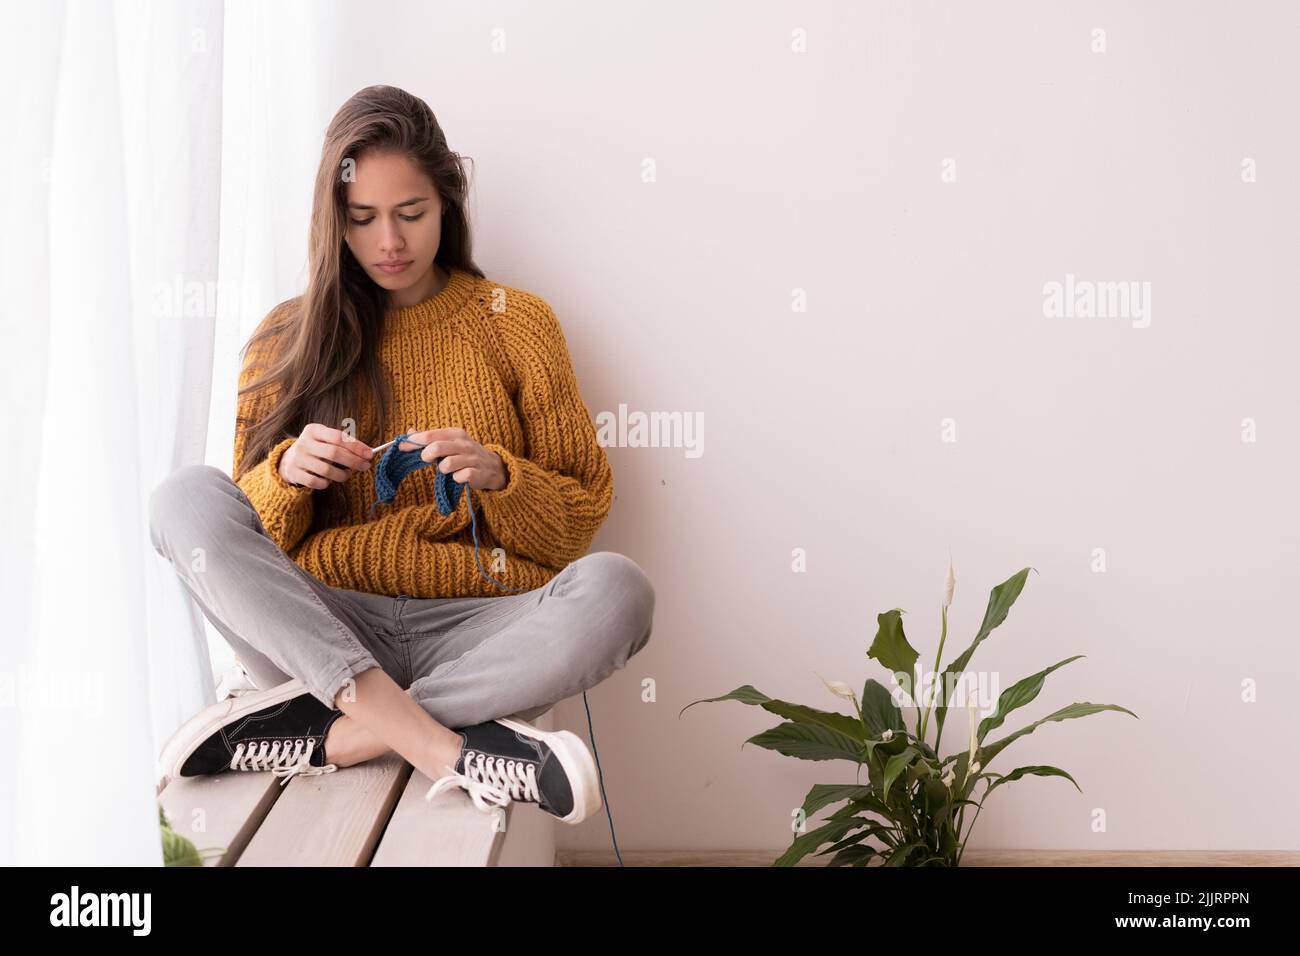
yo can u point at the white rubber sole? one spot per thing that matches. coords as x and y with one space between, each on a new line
576 760
207 722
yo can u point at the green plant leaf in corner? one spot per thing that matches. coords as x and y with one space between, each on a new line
177 850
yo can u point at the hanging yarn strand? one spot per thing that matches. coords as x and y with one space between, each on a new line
393 467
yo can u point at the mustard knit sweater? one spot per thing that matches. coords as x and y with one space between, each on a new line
506 378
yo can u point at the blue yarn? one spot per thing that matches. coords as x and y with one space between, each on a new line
396 465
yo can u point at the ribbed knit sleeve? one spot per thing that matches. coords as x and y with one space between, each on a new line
559 491
285 509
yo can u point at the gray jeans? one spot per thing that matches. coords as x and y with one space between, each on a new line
464 660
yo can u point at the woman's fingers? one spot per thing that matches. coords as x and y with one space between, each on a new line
323 454
449 447
298 475
341 455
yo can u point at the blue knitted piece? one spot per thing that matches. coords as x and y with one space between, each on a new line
396 465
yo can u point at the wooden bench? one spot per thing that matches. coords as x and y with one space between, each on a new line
370 814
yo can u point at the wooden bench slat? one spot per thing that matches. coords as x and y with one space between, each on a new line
446 831
334 819
221 811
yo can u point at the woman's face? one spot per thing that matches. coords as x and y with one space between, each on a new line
395 214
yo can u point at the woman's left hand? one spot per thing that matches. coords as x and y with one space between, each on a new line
463 458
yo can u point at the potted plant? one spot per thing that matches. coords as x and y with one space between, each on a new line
913 804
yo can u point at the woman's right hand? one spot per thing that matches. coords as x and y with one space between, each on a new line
322 454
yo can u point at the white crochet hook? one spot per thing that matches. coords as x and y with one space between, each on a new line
387 443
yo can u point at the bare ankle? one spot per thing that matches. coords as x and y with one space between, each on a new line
348 743
447 754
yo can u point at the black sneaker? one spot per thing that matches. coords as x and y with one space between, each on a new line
506 759
281 729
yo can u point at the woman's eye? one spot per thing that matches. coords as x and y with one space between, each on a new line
363 222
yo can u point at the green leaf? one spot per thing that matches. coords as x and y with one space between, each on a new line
746 695
843 723
917 770
850 840
896 765
891 648
1017 695
823 794
853 838
922 746
937 797
853 856
178 851
985 755
809 742
826 833
1000 600
879 710
849 809
899 856
870 801
1039 770
888 748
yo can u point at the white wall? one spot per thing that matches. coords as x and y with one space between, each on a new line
821 171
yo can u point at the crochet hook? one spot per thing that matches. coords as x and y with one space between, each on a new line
380 448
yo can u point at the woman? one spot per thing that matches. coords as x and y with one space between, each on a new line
370 620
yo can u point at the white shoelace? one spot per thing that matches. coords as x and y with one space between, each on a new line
286 762
491 780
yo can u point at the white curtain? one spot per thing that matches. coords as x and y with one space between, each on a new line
133 262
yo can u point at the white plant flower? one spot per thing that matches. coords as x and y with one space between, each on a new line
949 585
886 734
950 777
839 688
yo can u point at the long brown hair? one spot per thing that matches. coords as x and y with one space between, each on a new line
332 331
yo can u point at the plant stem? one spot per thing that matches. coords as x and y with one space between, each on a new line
943 636
961 843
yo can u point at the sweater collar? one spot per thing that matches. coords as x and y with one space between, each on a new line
439 306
